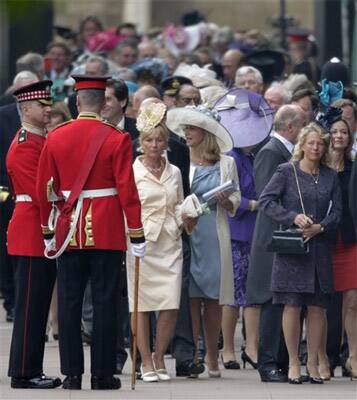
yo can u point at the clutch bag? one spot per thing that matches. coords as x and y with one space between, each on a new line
227 188
290 241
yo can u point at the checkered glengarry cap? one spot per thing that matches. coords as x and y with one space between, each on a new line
40 91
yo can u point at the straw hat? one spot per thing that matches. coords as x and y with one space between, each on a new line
201 117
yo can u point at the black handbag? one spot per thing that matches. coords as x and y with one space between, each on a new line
289 241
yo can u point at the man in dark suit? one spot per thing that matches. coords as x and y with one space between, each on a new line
272 356
116 102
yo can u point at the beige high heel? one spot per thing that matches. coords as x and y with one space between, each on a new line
353 374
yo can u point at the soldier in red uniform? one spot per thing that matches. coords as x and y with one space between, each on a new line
34 274
98 235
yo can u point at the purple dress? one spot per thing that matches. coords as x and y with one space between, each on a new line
242 225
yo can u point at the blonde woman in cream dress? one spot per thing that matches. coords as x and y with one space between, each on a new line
160 190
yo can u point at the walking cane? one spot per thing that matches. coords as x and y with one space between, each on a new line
135 323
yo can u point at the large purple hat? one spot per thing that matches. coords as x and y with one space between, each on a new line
246 116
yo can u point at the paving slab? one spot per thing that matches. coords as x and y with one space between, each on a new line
242 384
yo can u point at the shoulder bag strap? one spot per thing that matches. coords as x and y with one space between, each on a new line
298 187
87 164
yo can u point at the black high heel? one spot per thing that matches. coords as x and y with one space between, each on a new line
232 364
295 381
247 359
315 380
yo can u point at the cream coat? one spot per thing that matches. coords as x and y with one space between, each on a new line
161 268
228 172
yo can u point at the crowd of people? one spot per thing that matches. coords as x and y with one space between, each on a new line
191 148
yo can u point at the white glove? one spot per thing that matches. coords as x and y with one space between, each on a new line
138 249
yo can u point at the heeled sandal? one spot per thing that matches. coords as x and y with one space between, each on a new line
352 373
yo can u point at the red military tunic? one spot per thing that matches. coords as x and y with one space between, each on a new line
101 224
24 232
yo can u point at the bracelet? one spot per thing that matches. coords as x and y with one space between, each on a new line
322 229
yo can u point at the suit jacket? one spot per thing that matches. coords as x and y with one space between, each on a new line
9 124
261 261
177 154
130 127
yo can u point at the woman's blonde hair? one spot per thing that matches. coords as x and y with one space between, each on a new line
312 127
161 129
209 148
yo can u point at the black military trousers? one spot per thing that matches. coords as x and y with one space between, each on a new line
74 269
34 279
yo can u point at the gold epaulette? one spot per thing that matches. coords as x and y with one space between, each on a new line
62 124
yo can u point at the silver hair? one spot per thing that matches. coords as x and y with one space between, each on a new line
24 76
33 62
285 93
248 69
104 65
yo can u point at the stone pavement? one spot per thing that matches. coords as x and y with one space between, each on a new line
242 384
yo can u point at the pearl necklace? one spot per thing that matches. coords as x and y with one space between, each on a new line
152 169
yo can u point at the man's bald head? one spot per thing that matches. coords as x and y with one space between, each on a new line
147 50
230 62
145 92
288 121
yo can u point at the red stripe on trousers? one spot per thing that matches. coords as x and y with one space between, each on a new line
27 306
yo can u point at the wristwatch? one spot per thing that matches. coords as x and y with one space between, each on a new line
322 229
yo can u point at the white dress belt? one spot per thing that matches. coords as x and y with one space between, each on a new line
90 194
23 198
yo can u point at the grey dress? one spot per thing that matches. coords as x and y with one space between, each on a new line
303 279
205 268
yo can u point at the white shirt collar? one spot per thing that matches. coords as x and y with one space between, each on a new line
121 124
284 141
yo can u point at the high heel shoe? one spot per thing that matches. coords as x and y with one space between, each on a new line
315 380
353 374
325 375
214 373
295 381
295 370
232 364
247 359
149 376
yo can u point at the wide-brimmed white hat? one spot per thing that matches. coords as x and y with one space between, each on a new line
202 117
200 77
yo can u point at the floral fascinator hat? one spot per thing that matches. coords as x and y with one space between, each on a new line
150 116
201 117
327 119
